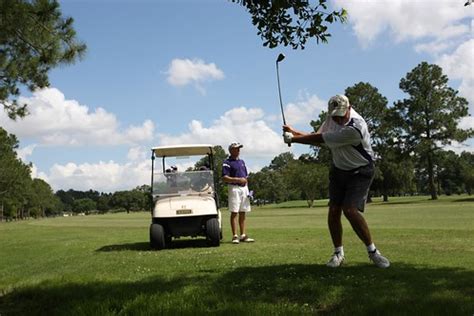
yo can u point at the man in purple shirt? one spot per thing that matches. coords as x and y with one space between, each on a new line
234 173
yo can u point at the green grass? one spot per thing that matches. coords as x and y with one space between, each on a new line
102 265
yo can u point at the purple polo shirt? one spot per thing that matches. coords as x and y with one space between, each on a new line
234 168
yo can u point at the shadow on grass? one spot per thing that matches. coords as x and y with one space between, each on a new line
399 202
469 199
145 246
137 246
280 289
188 243
427 200
303 206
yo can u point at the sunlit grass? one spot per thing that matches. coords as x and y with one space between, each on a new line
99 265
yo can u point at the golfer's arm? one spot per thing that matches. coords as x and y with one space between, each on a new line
228 179
288 128
298 133
308 139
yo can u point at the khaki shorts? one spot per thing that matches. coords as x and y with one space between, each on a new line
350 188
239 200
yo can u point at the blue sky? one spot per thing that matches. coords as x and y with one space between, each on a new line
169 72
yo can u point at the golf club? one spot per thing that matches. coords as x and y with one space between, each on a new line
279 59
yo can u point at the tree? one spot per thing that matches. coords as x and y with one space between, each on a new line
131 201
467 170
454 173
269 186
219 156
291 22
281 161
41 199
429 117
14 175
321 152
145 189
103 203
394 175
66 198
34 38
312 179
84 205
372 106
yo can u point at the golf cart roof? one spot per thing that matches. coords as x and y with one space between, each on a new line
183 150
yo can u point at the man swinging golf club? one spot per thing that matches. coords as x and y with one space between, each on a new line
345 133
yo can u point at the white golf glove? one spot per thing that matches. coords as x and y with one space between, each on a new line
287 137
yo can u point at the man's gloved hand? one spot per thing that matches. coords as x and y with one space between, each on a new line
287 137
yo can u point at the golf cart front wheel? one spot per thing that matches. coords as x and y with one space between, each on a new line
213 232
157 236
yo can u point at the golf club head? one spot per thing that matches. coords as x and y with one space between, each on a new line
280 58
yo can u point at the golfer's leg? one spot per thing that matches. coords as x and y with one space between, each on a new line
242 223
359 225
335 225
233 223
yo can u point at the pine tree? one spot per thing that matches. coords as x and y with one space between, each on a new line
429 117
34 38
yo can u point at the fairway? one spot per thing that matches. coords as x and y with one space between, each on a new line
103 265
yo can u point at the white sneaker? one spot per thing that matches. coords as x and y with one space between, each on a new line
379 260
336 260
245 238
235 239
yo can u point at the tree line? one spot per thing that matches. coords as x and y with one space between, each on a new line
23 197
408 140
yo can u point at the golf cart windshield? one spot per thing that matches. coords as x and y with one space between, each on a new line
183 183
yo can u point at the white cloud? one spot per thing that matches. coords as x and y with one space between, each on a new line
254 167
458 148
102 176
443 29
26 151
182 72
466 122
433 48
460 65
245 125
304 111
407 19
136 154
54 120
35 173
137 134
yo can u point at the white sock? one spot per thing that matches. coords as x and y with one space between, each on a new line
339 250
371 247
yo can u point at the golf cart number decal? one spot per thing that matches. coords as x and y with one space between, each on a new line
184 211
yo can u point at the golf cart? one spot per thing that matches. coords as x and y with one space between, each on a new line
185 203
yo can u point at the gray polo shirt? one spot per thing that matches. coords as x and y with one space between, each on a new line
350 144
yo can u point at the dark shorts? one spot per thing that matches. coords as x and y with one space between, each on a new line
350 188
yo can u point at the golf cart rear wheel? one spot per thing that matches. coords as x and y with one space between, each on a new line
213 232
157 236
